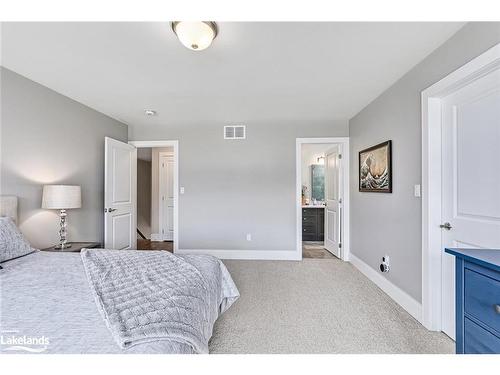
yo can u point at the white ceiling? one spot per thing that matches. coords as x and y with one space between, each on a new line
252 72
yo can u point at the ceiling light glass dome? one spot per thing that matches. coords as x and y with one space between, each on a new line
195 35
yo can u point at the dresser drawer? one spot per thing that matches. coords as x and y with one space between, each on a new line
481 294
477 340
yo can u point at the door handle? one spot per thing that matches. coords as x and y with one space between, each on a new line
497 308
446 226
109 209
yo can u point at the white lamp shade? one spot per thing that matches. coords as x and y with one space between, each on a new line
195 35
61 197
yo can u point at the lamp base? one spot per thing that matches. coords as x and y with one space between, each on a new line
63 242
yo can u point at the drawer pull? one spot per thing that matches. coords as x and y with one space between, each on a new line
497 308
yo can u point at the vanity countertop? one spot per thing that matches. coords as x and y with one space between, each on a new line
313 206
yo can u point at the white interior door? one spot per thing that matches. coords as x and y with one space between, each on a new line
471 178
333 201
120 195
166 189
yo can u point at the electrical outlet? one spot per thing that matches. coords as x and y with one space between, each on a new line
182 189
249 237
417 191
385 266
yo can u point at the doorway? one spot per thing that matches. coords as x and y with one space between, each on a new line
157 195
322 197
461 207
155 198
123 193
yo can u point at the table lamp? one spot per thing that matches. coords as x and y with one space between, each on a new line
62 197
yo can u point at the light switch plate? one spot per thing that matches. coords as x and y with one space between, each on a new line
182 189
417 191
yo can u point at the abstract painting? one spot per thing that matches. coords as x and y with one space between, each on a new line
375 169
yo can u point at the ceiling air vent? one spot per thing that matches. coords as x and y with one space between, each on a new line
234 132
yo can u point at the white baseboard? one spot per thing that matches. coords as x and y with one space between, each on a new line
412 306
245 254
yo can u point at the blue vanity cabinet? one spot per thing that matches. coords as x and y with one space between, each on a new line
477 280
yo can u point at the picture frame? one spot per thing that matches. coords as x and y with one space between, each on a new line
375 168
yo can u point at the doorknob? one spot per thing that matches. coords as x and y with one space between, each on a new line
446 226
109 209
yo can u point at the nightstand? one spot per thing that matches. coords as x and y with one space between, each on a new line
76 247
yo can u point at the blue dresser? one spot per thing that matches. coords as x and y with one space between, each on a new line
477 300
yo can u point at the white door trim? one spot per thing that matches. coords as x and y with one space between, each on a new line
431 177
344 175
175 146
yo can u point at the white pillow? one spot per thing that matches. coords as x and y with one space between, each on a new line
12 242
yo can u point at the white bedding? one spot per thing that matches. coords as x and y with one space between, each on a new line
47 295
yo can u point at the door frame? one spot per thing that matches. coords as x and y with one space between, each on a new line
432 177
175 145
344 175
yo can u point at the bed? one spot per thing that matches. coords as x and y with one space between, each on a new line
49 302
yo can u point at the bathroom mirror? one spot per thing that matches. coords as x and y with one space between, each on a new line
318 182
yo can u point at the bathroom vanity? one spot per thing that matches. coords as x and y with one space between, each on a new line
313 223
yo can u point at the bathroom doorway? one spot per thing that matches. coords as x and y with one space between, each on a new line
322 185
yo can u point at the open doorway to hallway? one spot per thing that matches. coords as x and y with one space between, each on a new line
155 198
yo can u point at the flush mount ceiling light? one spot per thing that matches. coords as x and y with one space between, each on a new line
195 35
149 112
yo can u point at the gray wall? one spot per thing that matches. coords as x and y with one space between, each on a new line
47 138
391 223
234 187
144 197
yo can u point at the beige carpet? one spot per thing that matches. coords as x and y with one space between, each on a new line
316 306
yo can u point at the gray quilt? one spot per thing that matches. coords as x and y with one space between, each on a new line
47 295
148 296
